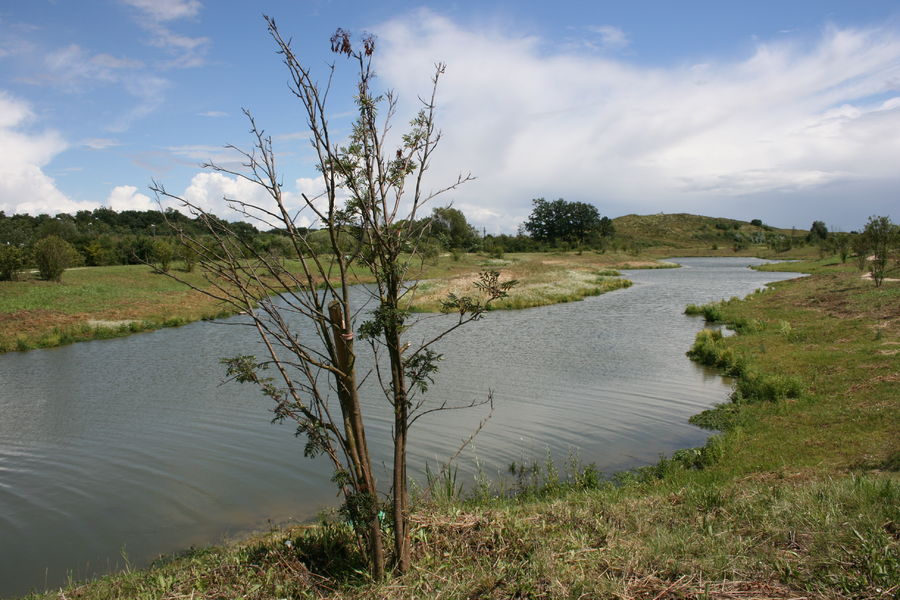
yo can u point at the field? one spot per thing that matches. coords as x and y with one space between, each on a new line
797 497
100 302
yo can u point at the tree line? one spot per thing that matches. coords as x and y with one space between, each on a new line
104 237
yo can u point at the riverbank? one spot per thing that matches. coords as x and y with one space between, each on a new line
797 497
104 302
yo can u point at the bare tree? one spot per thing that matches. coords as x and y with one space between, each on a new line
371 195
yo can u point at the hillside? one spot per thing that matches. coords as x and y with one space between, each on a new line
689 231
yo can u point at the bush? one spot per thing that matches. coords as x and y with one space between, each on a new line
188 256
708 349
163 254
53 255
12 259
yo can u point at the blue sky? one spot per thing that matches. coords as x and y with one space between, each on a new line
784 111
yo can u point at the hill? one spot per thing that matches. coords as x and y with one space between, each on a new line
690 231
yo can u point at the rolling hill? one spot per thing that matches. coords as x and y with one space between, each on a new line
690 231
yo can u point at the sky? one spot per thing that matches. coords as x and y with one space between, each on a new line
784 111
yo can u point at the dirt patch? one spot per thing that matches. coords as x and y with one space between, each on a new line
100 323
692 586
30 322
869 277
890 378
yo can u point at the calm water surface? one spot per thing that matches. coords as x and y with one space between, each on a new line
132 447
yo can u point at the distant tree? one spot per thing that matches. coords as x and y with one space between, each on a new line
244 231
860 247
880 237
429 250
12 259
100 250
188 256
53 255
137 249
451 227
756 222
818 232
560 220
606 229
16 230
62 226
163 254
838 243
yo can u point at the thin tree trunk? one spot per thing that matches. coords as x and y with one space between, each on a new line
360 460
401 424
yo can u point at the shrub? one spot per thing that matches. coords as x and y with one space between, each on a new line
53 255
163 254
188 255
708 349
12 259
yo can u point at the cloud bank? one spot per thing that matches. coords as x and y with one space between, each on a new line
24 187
792 131
724 137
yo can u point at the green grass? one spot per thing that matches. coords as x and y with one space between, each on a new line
798 496
102 302
97 302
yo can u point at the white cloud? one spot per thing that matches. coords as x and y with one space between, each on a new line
787 119
217 193
186 51
126 197
611 37
201 154
150 92
24 187
213 114
166 10
153 16
74 68
100 143
294 135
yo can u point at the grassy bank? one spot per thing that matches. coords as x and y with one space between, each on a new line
95 302
542 279
103 302
797 497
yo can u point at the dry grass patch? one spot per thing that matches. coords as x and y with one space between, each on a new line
541 281
539 284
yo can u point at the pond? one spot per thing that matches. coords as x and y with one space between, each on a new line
133 447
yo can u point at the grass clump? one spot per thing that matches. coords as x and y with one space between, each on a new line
712 312
709 349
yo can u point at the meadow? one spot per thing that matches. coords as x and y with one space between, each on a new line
798 496
102 302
